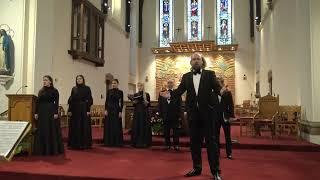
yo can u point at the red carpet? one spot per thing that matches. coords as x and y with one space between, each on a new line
128 163
282 143
262 158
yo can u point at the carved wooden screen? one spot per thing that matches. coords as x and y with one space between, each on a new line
174 66
87 32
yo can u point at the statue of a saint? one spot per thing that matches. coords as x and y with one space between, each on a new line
5 54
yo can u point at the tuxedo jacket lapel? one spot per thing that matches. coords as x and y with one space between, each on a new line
191 83
201 84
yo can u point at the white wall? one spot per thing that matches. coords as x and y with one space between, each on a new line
179 12
12 14
288 45
244 57
209 20
65 69
51 57
147 65
244 64
45 45
117 51
283 48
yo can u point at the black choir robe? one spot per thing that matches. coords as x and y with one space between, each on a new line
113 134
225 112
80 101
48 138
141 135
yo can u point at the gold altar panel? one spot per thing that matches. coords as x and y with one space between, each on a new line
174 66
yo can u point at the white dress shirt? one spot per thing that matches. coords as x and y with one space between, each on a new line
196 82
169 100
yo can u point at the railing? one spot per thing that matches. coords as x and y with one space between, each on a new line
4 115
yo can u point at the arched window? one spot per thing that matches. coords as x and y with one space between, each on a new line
165 23
194 20
224 22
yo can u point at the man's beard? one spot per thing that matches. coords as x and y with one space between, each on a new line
196 67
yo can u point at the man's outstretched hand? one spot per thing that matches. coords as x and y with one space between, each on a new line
165 94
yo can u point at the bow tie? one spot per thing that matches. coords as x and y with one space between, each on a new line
195 72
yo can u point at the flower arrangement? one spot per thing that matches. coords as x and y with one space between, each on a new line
156 124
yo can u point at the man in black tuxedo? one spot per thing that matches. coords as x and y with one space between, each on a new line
170 111
225 115
201 103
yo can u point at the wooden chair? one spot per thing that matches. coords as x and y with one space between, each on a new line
287 120
246 104
266 116
245 117
97 115
63 117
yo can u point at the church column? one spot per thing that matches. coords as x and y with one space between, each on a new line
314 134
310 67
133 66
29 45
38 43
44 46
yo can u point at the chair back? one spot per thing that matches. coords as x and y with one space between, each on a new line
246 104
268 106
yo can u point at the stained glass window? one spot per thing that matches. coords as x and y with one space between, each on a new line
194 17
224 22
166 22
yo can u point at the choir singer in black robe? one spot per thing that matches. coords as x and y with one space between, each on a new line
141 136
170 111
201 101
48 139
113 135
80 101
225 115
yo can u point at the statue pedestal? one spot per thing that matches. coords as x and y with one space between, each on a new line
4 79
